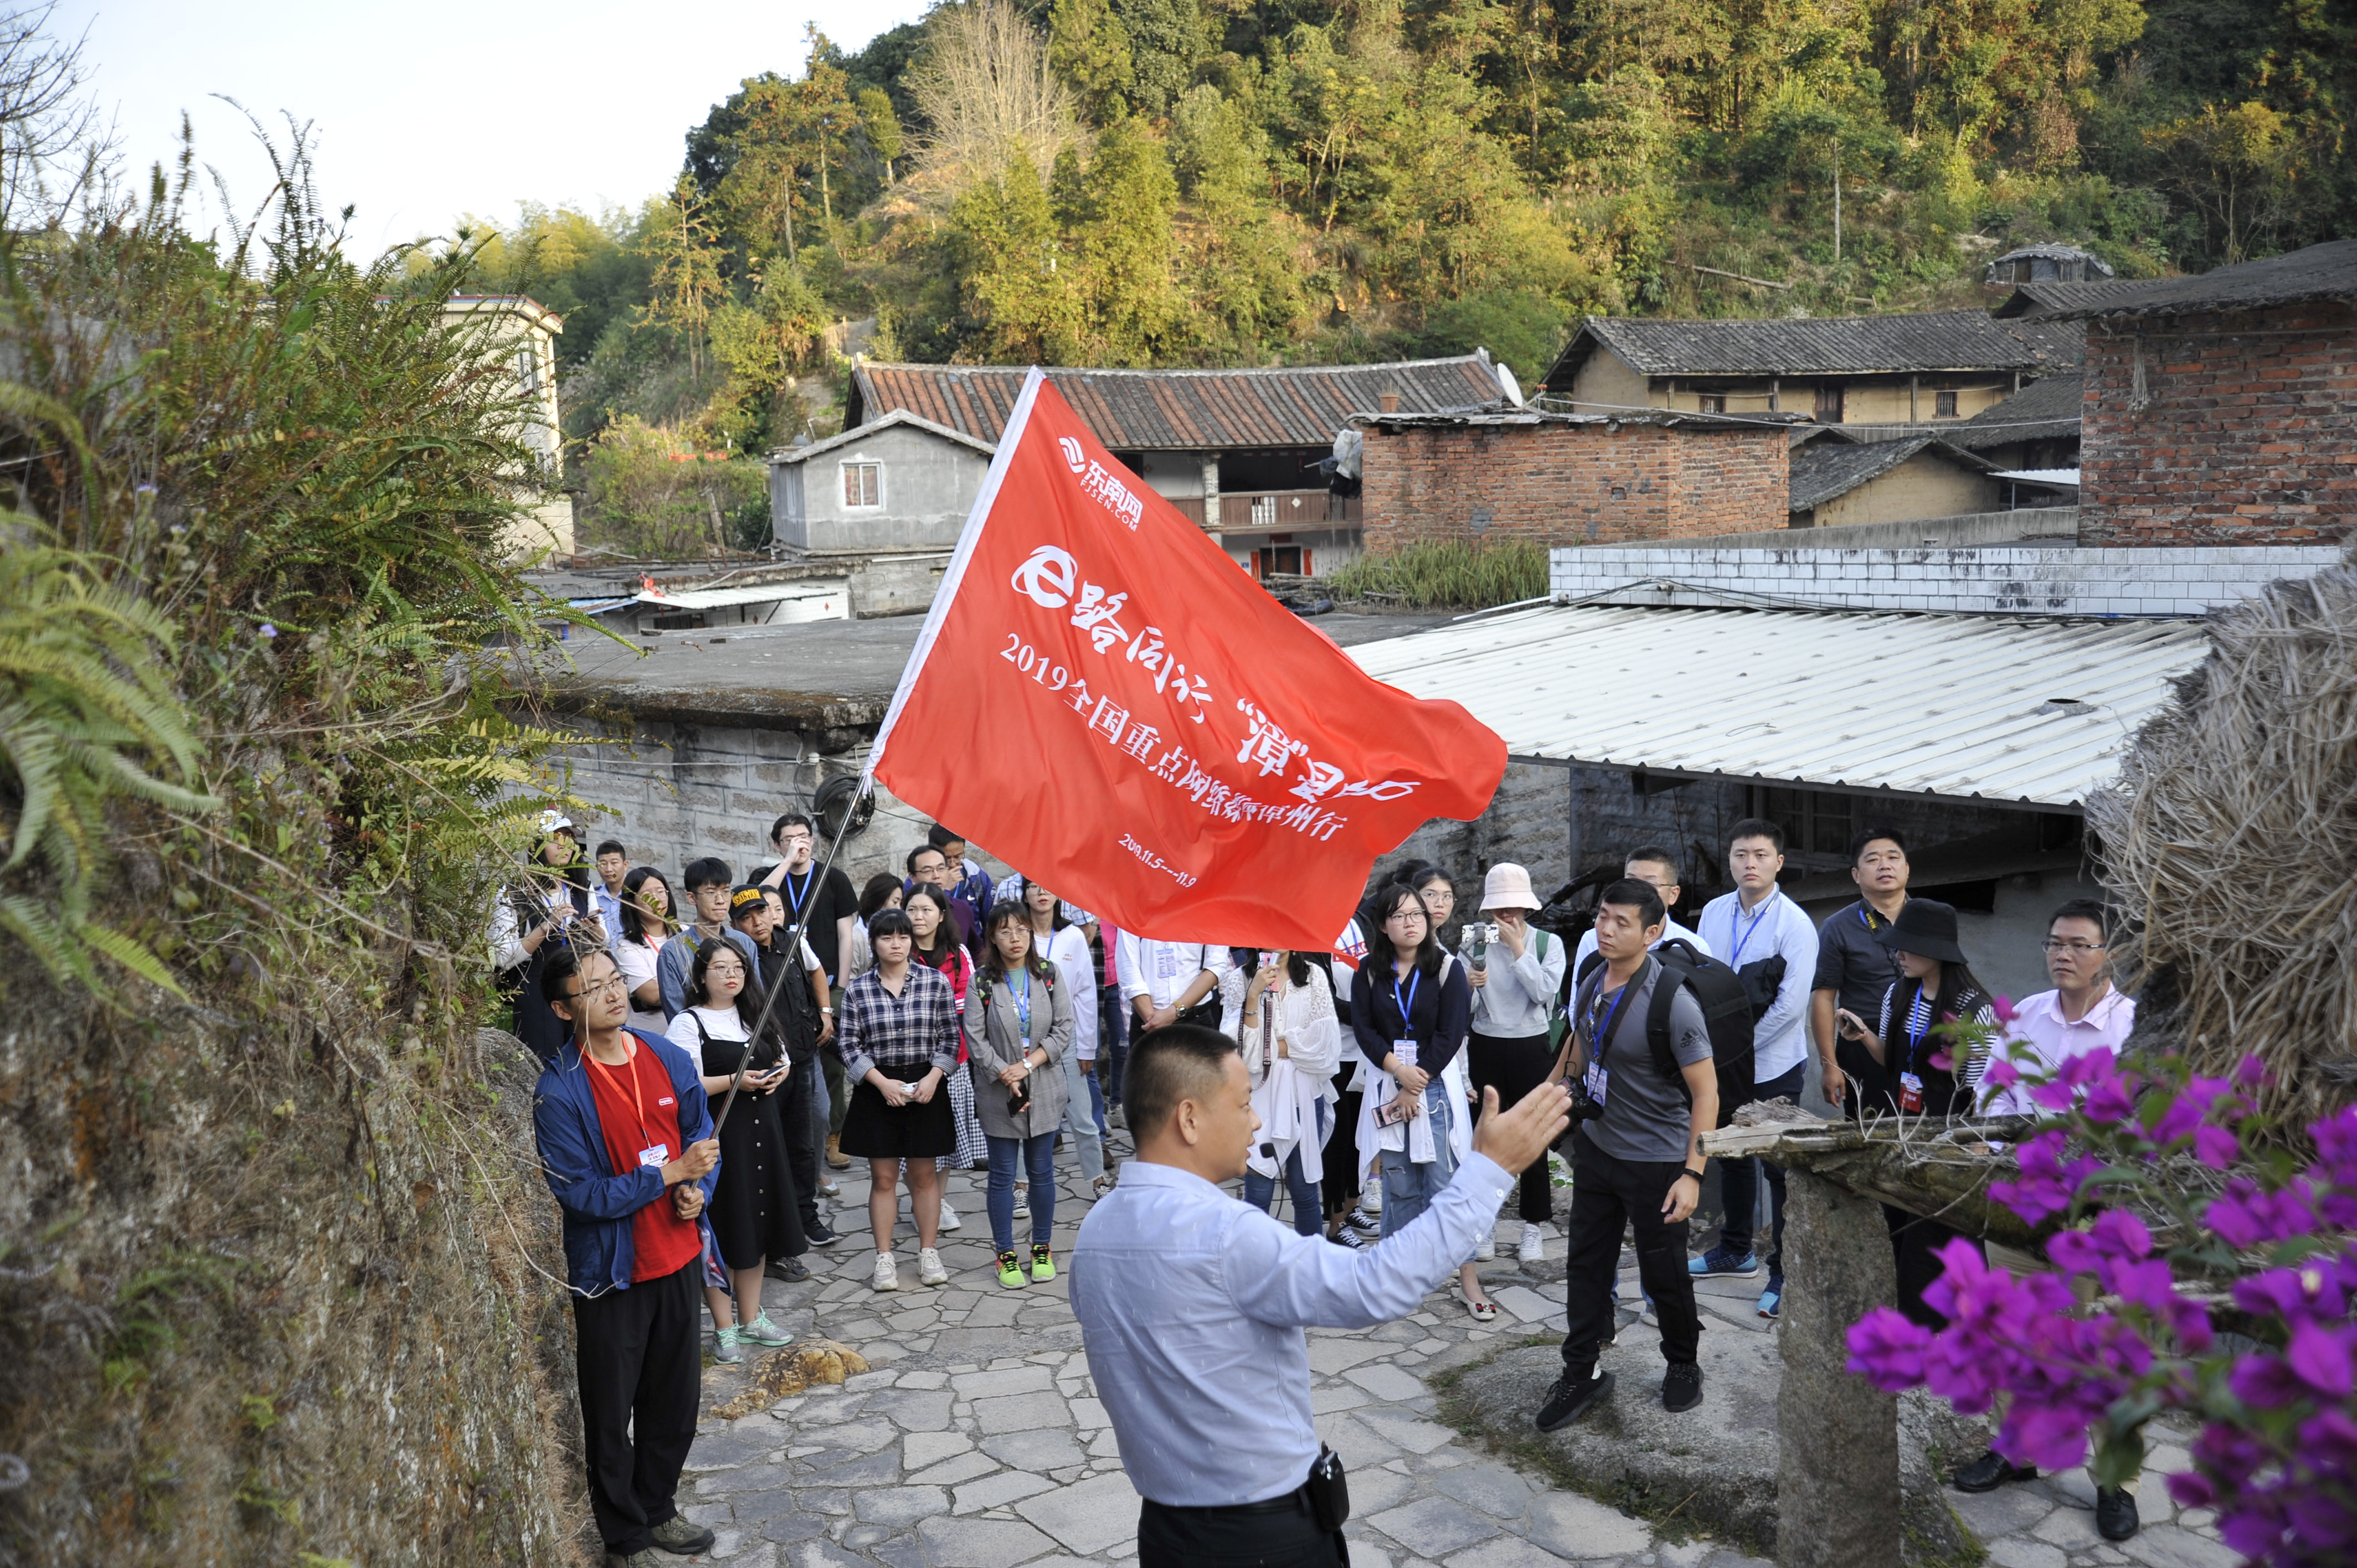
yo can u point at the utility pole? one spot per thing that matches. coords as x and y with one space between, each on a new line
1836 200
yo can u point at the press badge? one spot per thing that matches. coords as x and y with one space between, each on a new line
1594 1079
657 1157
1911 1091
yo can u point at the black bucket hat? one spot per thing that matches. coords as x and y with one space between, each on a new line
1925 927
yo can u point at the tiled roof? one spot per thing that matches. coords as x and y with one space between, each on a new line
1833 468
1945 340
859 432
1181 411
2315 272
2039 411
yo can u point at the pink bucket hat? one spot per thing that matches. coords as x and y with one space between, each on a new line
1508 886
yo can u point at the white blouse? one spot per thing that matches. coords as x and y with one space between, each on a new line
1304 1016
722 1025
1076 969
637 961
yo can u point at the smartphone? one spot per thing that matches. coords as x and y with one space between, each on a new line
1398 1109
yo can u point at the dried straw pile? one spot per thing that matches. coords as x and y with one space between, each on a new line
2231 843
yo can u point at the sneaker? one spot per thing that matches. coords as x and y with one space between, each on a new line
794 1271
723 1346
1115 1119
761 1331
819 1233
1022 1207
1487 1251
1719 1261
929 1268
1771 1300
950 1220
1043 1265
1681 1387
1346 1237
677 1536
1361 1220
1572 1397
1989 1472
1534 1245
830 1188
1010 1271
2115 1512
888 1277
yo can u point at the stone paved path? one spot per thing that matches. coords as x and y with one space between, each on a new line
977 1441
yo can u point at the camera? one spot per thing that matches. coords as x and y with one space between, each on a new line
1583 1108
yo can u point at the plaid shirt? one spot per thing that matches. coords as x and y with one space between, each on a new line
907 1034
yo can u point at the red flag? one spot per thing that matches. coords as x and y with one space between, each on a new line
1103 700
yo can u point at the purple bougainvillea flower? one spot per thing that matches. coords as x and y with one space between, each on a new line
2188 1489
2266 1380
2295 1295
2253 1534
2216 1147
2001 1073
2178 1120
2003 1009
2108 1104
1887 1348
2048 1437
2319 1357
1941 1062
2250 1072
2335 1148
2121 1234
2047 1187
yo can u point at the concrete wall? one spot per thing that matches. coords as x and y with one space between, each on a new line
929 486
1605 381
1973 528
895 585
1926 485
1176 475
2245 432
1566 484
2019 579
1608 383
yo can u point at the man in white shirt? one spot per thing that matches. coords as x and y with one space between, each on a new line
1163 980
1191 1308
2085 1011
1649 863
1756 928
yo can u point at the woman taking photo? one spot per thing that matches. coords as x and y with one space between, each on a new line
1280 1016
646 926
1514 981
1935 986
755 1214
898 1039
937 948
1019 1031
1409 1007
1066 946
547 911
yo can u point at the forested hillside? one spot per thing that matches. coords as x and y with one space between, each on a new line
1135 182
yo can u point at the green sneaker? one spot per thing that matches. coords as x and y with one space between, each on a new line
1010 1270
761 1331
1043 1265
723 1346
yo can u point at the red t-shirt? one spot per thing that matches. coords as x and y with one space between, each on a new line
660 1241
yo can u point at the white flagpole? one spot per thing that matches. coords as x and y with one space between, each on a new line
968 538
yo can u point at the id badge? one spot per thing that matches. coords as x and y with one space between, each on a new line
1911 1091
1405 1051
658 1157
1596 1077
1165 964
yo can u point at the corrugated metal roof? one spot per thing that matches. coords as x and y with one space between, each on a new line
1828 468
1934 704
2325 271
1179 411
746 594
1945 340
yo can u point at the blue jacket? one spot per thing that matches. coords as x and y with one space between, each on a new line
599 1204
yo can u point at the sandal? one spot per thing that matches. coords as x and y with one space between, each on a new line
1482 1311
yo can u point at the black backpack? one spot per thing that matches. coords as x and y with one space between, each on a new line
1726 1014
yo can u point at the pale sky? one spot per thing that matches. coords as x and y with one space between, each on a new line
425 112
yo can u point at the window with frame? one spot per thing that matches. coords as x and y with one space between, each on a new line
527 363
1944 405
1829 402
1711 402
863 485
1815 821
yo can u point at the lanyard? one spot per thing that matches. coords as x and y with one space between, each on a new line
1742 931
793 899
1914 1035
1599 1041
1023 1005
1407 1004
646 1139
1865 920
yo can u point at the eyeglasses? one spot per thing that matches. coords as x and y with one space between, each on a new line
2050 945
606 988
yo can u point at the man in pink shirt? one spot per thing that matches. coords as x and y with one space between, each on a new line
2084 1011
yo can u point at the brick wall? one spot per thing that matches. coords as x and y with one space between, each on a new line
2246 437
1564 483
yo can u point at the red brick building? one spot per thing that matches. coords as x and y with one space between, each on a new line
1569 478
2220 409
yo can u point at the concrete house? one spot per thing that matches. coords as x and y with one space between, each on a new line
1861 369
898 484
1234 451
2220 409
2047 264
521 333
1836 481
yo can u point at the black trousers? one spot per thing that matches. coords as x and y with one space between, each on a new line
642 1367
1515 1066
803 1085
1739 1183
1914 1241
1280 1533
1606 1195
1344 1168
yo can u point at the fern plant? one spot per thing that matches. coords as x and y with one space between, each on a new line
87 716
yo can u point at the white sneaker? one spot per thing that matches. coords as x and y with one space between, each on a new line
1534 1247
888 1277
929 1268
829 1187
1487 1251
950 1220
1022 1207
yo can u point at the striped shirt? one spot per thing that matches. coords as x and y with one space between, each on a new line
905 1034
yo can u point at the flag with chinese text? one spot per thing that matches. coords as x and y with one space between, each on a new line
1105 701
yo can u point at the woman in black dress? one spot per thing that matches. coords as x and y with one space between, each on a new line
755 1214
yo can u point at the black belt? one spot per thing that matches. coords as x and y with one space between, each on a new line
1294 1502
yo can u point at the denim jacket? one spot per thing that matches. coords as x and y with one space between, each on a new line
597 1204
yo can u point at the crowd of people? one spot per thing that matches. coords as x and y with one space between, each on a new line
941 1019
